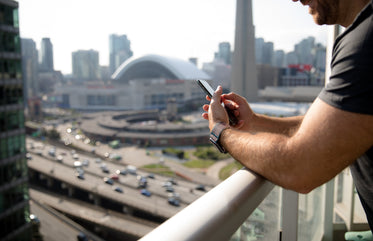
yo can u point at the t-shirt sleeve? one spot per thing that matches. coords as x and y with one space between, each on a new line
350 86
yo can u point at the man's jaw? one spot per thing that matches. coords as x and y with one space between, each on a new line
305 2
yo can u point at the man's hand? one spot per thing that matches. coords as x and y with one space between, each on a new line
241 110
215 111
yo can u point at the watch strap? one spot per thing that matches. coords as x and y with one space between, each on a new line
215 135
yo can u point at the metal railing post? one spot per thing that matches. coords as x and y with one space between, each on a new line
289 215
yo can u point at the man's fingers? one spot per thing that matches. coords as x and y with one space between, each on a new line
206 107
205 116
233 97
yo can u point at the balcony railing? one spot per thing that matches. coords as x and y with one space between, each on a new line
219 213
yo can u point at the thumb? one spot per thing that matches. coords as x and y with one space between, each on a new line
217 95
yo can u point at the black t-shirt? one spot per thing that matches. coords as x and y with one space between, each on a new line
350 88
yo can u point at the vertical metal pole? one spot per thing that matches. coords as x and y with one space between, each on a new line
328 211
289 215
333 33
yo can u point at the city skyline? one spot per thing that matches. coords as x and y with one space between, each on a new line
148 26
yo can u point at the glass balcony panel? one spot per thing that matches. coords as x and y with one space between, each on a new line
264 222
311 217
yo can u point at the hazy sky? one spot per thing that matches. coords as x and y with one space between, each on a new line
177 28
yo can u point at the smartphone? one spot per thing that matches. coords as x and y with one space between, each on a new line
206 87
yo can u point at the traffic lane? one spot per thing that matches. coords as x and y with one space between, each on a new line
52 228
186 190
114 220
96 185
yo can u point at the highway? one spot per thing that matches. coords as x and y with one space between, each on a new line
65 171
93 214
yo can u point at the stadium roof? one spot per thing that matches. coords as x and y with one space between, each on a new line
156 66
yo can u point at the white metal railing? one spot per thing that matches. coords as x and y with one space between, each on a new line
217 214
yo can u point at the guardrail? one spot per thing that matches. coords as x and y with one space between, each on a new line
217 214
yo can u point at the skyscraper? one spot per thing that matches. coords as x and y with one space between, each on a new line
120 51
86 65
46 56
268 53
14 205
224 53
244 78
29 68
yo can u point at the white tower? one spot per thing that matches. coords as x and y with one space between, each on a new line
244 78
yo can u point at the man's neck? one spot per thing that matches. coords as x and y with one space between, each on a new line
352 9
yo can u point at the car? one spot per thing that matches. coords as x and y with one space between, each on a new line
201 188
28 156
77 164
142 181
76 156
118 189
173 181
145 192
121 172
108 180
169 189
80 175
132 170
105 169
151 175
174 195
114 176
174 202
34 219
167 184
85 162
59 158
52 151
115 156
82 237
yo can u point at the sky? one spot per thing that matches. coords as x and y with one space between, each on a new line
175 28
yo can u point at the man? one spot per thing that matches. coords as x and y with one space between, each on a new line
301 153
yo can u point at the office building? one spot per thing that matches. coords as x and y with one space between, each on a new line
86 65
259 43
14 205
120 51
224 53
29 68
46 56
279 59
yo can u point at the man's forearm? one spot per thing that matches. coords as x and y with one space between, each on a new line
263 152
285 126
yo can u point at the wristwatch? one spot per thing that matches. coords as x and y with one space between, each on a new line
215 135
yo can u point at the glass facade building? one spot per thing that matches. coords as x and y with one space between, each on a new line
14 205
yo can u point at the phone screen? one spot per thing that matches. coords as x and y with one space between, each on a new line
210 92
206 87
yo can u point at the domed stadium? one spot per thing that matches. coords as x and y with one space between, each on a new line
156 66
142 83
